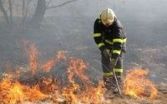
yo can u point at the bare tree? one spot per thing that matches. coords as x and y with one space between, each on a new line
39 14
32 12
23 12
56 6
4 11
11 12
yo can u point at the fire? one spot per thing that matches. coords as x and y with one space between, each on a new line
76 67
93 94
78 87
53 61
13 92
32 52
137 84
85 94
34 93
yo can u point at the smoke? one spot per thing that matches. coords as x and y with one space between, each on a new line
70 28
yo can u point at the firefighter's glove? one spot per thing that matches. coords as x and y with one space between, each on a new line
113 62
124 48
106 53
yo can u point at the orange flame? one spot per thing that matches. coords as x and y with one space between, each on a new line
34 93
93 94
79 88
12 92
77 67
86 94
52 62
136 84
33 53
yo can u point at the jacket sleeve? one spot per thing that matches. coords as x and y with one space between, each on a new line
97 35
119 39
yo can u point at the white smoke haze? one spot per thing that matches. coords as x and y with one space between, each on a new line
69 27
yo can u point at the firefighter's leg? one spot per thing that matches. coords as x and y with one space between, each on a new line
119 67
107 73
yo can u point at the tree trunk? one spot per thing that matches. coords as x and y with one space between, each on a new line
4 12
39 14
10 12
23 14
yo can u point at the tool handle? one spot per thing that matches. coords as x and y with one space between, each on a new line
115 77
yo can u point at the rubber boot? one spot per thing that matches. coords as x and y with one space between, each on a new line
115 87
108 84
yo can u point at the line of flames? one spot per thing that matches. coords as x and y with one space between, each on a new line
137 84
80 89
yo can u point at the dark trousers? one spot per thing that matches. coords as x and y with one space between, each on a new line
107 66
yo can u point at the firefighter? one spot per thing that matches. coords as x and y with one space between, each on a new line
110 39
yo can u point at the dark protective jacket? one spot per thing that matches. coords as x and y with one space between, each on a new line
111 37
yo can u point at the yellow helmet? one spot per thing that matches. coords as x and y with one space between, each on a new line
107 16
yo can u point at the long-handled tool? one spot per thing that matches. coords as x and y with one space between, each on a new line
115 77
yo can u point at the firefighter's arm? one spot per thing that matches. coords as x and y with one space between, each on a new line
118 41
98 36
124 45
124 40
